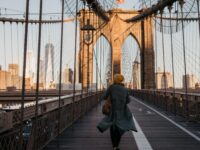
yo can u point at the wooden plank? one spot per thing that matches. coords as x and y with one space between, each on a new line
84 135
161 134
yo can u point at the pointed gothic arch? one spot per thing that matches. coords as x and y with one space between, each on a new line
116 31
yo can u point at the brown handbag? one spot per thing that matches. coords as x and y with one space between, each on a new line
107 106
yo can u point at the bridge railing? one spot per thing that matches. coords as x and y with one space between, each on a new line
177 103
50 122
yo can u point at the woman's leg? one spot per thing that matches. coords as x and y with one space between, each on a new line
116 135
119 135
113 136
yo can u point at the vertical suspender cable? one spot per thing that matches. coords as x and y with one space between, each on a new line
156 57
103 63
11 46
100 62
38 72
163 51
199 26
4 41
93 47
177 11
181 3
75 51
83 50
24 73
156 50
103 48
198 10
142 53
92 70
96 55
172 55
88 59
60 71
18 50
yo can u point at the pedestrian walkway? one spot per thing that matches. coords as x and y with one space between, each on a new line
157 131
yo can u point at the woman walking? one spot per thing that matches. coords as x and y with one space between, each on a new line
120 119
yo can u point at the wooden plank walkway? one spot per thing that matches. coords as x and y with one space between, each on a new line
159 132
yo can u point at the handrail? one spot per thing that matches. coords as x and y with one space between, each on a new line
169 92
173 102
45 106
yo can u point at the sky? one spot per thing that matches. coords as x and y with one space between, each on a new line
12 52
50 32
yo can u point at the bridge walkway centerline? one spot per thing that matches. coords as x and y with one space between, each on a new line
159 132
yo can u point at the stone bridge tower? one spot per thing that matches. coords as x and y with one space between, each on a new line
116 31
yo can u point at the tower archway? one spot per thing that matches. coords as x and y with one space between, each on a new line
131 62
116 31
102 62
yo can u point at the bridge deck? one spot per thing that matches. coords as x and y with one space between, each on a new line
157 132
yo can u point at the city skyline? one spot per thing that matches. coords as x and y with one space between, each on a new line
51 35
11 78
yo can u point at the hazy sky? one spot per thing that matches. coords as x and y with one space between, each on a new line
51 33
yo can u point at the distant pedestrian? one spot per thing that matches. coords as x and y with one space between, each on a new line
120 119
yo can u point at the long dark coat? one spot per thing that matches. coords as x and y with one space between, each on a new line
120 114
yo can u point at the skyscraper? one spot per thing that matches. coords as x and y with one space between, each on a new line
190 81
30 69
30 65
5 79
13 69
49 64
164 80
42 72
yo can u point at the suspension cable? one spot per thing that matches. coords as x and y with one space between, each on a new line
18 50
4 41
199 26
61 62
172 55
92 70
83 50
88 59
181 3
163 52
75 51
100 64
11 46
24 74
38 72
156 51
96 57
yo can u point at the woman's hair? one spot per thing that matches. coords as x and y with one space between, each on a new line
118 78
